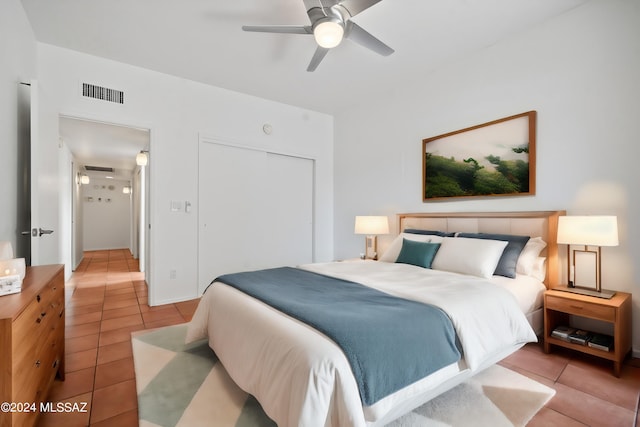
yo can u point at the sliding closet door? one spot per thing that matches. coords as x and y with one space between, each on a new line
289 207
255 210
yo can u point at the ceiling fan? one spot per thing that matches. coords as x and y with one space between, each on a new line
330 23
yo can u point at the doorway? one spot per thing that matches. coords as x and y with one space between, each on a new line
23 201
109 190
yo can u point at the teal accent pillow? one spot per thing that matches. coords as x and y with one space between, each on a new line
417 253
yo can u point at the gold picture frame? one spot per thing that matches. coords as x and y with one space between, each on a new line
492 159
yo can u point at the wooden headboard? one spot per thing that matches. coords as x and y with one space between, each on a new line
542 224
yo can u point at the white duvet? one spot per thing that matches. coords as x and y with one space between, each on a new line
301 378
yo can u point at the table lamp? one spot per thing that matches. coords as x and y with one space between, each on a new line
594 231
371 226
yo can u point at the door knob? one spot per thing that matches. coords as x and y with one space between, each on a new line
43 231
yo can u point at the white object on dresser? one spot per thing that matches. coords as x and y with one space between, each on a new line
6 250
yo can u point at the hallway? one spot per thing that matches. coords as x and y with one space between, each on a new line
106 301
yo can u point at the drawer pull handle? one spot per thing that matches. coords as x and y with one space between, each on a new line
38 363
39 319
38 297
61 313
55 364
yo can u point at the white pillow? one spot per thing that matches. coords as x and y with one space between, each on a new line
528 258
539 270
475 257
392 252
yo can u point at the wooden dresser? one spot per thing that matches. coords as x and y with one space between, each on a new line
31 344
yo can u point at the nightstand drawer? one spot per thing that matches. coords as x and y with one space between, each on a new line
581 308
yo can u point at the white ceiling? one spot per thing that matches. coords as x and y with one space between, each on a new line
104 145
202 40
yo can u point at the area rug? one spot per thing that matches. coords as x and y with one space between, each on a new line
185 385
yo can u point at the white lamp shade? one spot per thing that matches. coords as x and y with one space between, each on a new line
141 159
13 267
328 34
6 250
588 230
84 179
371 225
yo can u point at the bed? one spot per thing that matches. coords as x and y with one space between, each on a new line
302 377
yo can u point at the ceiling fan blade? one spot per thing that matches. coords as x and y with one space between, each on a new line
354 7
320 53
284 29
362 37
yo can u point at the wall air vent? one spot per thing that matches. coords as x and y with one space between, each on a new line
98 169
99 92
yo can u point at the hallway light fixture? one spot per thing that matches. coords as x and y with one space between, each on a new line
142 159
126 189
82 179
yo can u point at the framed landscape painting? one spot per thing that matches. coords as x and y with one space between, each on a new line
491 159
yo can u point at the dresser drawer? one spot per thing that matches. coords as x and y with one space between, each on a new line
36 364
581 308
31 341
57 284
28 372
34 322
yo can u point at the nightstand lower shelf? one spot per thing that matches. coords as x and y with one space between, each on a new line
559 306
578 347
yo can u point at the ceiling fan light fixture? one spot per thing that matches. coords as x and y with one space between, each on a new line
328 33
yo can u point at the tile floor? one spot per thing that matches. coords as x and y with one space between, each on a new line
107 300
587 393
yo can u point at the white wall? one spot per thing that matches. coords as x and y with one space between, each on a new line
580 71
18 59
177 111
106 215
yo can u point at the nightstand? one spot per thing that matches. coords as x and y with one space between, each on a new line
559 305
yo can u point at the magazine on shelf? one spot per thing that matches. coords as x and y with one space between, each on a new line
601 342
580 336
562 332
